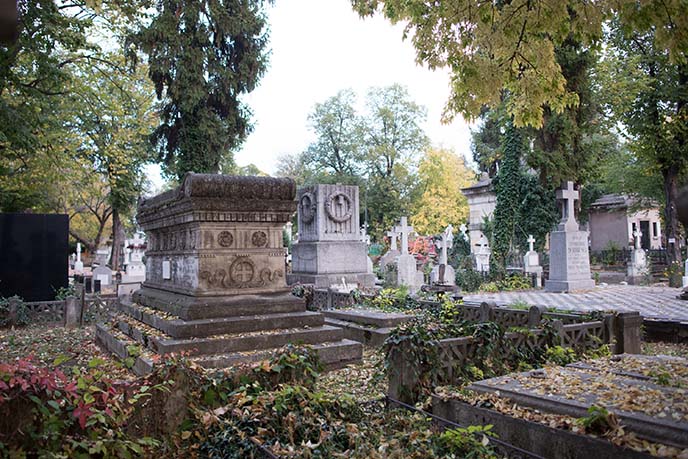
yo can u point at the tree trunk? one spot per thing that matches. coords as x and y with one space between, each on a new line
670 175
117 238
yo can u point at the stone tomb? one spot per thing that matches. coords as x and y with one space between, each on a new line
330 250
630 386
215 276
569 260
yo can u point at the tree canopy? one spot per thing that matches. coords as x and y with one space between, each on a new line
202 56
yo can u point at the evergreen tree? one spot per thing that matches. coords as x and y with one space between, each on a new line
202 55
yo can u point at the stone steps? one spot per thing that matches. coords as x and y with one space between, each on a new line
177 328
333 354
333 351
228 343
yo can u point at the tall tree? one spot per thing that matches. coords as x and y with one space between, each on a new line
510 45
202 56
439 202
337 148
648 93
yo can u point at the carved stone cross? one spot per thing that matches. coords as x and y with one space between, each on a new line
404 230
463 228
393 239
569 195
637 234
445 243
531 241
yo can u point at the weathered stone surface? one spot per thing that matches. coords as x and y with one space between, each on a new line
661 416
215 282
368 327
330 246
569 265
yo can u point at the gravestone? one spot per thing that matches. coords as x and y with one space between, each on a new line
102 256
78 264
407 274
135 269
215 277
569 262
637 269
34 253
531 262
443 273
390 257
102 274
482 256
330 247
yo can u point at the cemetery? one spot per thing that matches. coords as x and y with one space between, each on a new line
481 255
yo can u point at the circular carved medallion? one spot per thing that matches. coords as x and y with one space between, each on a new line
339 207
241 272
225 239
259 239
308 207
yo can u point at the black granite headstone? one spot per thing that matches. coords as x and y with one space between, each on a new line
88 282
96 286
34 254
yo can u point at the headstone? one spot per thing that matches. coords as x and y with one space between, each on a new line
482 256
88 284
97 283
135 269
443 273
569 261
391 255
33 251
102 256
637 269
78 264
685 274
222 296
330 246
531 262
407 274
102 274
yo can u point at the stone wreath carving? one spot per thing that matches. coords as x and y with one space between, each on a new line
242 274
259 239
308 207
225 239
342 200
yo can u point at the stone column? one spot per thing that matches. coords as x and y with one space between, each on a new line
627 332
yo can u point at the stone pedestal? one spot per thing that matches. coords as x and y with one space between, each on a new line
329 247
637 269
215 276
569 263
407 274
531 266
443 274
569 260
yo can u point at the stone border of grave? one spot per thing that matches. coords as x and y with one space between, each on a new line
537 438
620 330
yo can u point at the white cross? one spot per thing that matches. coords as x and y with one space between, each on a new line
569 195
404 230
78 252
393 240
463 228
637 234
531 241
445 243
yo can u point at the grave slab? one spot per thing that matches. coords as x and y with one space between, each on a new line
642 402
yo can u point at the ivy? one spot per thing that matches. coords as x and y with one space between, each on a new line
507 189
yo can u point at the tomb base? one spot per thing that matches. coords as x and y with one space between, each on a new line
569 263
